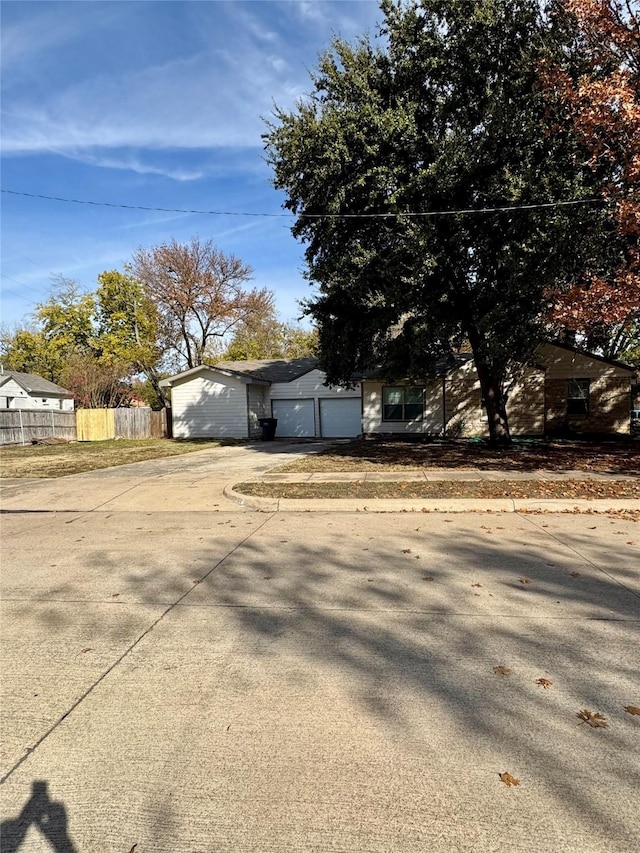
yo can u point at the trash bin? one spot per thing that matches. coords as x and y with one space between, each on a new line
268 428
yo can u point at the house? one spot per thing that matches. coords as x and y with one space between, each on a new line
563 390
228 400
29 391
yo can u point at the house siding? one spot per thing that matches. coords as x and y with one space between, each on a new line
310 386
203 407
609 392
372 421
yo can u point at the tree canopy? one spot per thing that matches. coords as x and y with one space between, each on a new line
390 165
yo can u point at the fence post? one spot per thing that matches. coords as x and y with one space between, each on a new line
53 425
21 426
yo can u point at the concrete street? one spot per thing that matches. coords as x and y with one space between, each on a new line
183 673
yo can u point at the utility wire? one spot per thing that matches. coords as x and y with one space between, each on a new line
311 215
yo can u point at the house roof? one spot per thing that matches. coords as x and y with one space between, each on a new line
34 384
442 368
271 370
266 371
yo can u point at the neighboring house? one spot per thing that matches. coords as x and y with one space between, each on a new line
230 398
28 391
565 390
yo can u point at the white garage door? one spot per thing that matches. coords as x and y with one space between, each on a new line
295 418
340 417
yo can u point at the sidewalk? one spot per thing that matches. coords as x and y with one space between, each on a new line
431 504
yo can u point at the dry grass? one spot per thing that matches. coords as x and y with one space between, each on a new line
522 489
611 457
34 461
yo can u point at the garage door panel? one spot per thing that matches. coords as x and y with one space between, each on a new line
295 418
340 417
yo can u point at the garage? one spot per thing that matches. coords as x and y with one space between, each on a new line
295 418
340 417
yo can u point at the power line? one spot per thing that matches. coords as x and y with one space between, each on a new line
397 215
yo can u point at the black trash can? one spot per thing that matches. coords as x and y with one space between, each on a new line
268 428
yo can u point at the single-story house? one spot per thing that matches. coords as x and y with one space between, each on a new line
228 400
29 391
563 389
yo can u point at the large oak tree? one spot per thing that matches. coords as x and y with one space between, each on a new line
443 114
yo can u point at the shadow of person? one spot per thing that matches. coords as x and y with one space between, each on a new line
44 814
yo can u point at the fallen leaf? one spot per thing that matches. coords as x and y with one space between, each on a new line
196 582
427 578
508 779
632 709
544 682
476 584
524 580
116 595
87 649
406 550
575 574
593 719
133 849
632 542
502 670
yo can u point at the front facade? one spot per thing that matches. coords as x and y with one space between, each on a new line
565 390
228 400
29 391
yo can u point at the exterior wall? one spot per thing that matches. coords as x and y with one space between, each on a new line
609 392
466 416
204 407
14 396
372 422
310 386
257 409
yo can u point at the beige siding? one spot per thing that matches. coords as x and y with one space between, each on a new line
257 409
609 391
202 407
372 421
466 415
310 386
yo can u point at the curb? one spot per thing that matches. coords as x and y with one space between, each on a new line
446 505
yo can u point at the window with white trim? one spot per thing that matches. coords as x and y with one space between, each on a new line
578 397
402 403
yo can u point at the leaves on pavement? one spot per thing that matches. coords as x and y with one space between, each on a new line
524 580
544 682
592 718
502 670
632 709
508 779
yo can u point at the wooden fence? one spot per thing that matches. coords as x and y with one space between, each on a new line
21 426
102 424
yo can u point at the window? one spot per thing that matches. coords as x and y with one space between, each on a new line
402 403
578 397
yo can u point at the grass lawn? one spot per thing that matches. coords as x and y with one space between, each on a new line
610 457
521 489
58 460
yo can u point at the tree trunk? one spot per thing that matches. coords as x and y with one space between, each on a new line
491 386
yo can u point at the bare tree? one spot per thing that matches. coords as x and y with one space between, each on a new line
199 293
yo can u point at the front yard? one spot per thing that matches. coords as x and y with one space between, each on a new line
58 460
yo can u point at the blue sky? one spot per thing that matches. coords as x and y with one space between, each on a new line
157 104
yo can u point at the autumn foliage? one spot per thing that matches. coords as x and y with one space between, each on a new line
598 90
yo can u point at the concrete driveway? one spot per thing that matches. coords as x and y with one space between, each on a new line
229 680
193 481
